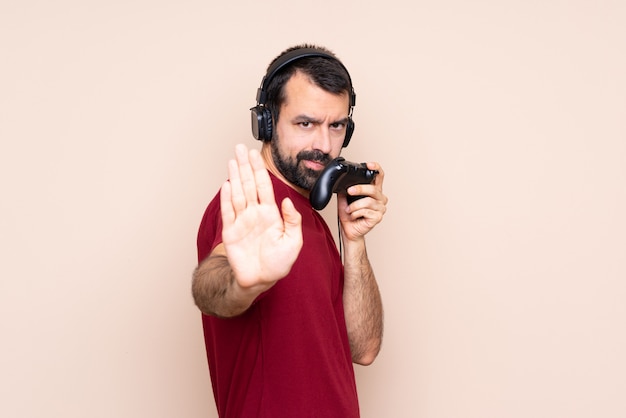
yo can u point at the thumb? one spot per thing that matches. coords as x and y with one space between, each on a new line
292 219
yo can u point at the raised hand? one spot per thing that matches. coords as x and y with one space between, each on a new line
261 245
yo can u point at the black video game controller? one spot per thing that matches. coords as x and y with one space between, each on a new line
336 177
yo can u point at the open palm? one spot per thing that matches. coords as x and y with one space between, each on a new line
261 245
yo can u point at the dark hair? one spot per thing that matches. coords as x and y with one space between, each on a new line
328 74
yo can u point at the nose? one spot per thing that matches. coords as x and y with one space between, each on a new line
322 140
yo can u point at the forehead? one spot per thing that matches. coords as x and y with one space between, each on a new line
301 92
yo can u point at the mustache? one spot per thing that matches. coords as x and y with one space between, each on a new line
314 155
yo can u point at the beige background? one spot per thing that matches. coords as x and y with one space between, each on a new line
500 124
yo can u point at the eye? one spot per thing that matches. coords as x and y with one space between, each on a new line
305 124
337 125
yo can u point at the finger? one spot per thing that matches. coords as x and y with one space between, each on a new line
248 183
292 219
378 180
228 213
236 194
264 188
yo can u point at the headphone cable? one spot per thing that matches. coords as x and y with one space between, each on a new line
340 240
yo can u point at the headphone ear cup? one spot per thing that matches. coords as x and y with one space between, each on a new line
261 119
349 132
269 124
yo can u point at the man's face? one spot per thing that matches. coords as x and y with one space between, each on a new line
310 131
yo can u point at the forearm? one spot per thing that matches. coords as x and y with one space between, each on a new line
362 304
215 290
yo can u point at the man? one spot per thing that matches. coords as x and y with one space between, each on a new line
283 318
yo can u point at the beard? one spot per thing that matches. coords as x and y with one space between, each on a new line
293 169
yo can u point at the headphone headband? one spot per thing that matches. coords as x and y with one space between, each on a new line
288 58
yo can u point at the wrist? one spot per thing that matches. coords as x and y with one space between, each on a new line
245 295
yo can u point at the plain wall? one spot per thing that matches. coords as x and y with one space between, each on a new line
501 126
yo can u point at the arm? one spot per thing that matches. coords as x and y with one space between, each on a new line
362 305
362 300
259 246
215 289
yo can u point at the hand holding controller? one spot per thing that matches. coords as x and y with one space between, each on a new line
337 177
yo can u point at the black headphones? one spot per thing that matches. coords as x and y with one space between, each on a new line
262 123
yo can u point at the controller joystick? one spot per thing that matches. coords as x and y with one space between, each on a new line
337 177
